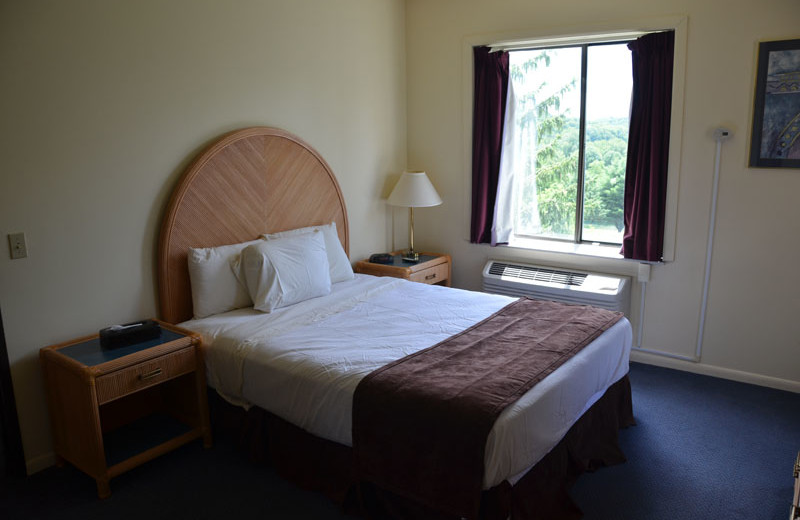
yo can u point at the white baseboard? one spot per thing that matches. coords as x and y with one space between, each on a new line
715 371
39 463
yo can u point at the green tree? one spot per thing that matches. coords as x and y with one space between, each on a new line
552 175
605 159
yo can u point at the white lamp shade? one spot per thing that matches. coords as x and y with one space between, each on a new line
414 190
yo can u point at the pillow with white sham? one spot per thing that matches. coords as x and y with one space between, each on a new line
287 270
215 287
340 268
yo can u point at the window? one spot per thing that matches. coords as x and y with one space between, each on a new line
499 169
571 108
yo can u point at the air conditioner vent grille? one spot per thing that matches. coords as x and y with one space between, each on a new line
538 274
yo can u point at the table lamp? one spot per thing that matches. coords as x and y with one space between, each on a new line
413 190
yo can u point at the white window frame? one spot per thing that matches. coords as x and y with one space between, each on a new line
577 35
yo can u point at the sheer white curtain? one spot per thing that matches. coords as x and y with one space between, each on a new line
517 171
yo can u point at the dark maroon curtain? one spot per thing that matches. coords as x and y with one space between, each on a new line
648 146
491 86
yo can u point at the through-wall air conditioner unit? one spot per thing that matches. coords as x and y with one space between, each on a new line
561 285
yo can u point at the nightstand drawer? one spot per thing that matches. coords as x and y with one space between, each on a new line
143 375
432 275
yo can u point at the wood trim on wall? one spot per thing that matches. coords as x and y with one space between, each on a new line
9 421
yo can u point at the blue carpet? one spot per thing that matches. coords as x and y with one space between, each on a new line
703 448
188 483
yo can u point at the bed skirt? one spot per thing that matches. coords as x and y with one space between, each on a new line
325 466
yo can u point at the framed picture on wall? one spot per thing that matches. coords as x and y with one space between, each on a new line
775 140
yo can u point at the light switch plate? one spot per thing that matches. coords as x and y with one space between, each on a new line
16 242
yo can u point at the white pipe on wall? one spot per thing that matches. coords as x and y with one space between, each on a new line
643 279
720 134
641 315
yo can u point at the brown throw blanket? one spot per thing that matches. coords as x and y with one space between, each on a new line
420 424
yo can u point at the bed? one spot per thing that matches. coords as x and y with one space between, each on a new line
289 375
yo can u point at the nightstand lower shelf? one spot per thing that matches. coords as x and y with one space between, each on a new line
140 458
144 439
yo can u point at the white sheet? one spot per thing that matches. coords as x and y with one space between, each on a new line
304 362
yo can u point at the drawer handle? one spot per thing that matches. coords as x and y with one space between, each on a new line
150 375
430 276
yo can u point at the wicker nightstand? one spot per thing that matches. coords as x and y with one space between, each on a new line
156 390
432 268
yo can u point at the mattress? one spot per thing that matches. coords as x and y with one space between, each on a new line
303 362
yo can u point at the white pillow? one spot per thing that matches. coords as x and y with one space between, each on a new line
215 287
340 268
287 270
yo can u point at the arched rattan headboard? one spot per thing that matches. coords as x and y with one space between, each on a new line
250 182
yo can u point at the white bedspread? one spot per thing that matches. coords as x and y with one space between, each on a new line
304 362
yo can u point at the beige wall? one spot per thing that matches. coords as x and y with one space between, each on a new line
752 331
103 103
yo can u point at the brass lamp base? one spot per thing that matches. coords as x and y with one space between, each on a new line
410 256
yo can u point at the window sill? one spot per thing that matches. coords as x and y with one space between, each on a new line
555 246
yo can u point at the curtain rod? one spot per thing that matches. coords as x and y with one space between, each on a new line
560 41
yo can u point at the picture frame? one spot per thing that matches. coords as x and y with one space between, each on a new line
775 139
